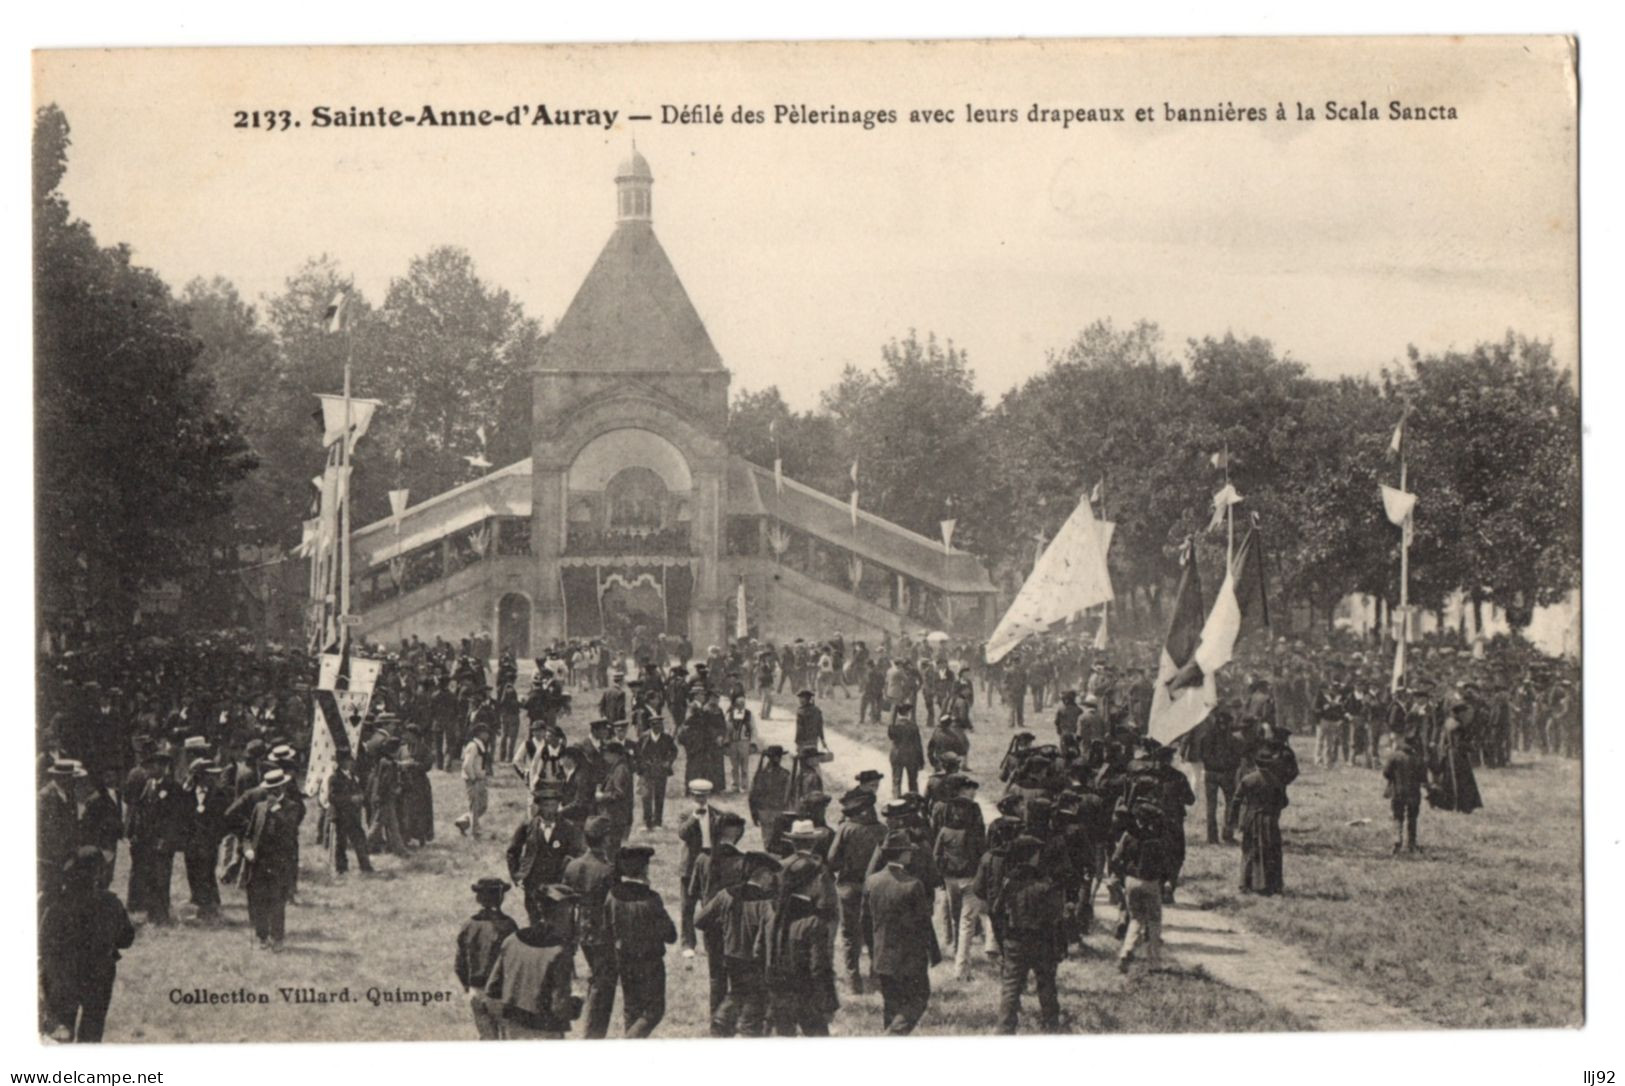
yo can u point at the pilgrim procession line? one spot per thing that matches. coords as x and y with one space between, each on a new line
1224 947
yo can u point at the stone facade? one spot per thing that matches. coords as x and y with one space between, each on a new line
631 510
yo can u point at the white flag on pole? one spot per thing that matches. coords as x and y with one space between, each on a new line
1398 504
333 417
1222 501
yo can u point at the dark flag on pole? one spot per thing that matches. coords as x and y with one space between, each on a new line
1185 628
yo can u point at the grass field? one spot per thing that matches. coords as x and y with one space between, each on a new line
1462 940
1485 929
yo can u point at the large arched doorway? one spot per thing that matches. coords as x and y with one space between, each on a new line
513 625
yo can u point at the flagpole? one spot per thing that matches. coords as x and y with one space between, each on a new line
344 506
1404 559
1229 516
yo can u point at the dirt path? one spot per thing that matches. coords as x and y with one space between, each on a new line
1193 936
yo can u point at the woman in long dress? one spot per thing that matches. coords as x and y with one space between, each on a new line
1454 786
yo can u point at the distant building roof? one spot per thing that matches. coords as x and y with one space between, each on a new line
631 314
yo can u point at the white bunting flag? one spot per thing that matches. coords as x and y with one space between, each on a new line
1222 501
333 417
397 502
948 536
1398 504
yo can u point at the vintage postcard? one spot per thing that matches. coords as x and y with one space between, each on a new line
949 538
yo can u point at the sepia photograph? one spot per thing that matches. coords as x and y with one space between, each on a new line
950 538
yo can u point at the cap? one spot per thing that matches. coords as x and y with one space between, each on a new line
596 828
67 767
774 751
870 776
1009 805
274 778
896 807
489 885
546 790
700 787
804 693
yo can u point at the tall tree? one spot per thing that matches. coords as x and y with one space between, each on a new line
914 425
132 455
1494 459
452 362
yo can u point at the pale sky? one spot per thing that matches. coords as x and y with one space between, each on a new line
804 248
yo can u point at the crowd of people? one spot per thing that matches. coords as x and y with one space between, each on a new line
197 748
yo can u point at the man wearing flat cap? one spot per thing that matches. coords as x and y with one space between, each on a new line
477 947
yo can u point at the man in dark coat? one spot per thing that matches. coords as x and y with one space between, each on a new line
720 866
907 749
741 916
1219 747
158 823
656 755
1261 793
769 791
638 929
81 933
897 908
615 796
343 797
101 822
269 825
540 848
857 837
1405 774
1030 912
206 807
809 723
701 737
57 824
477 947
800 969
590 875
